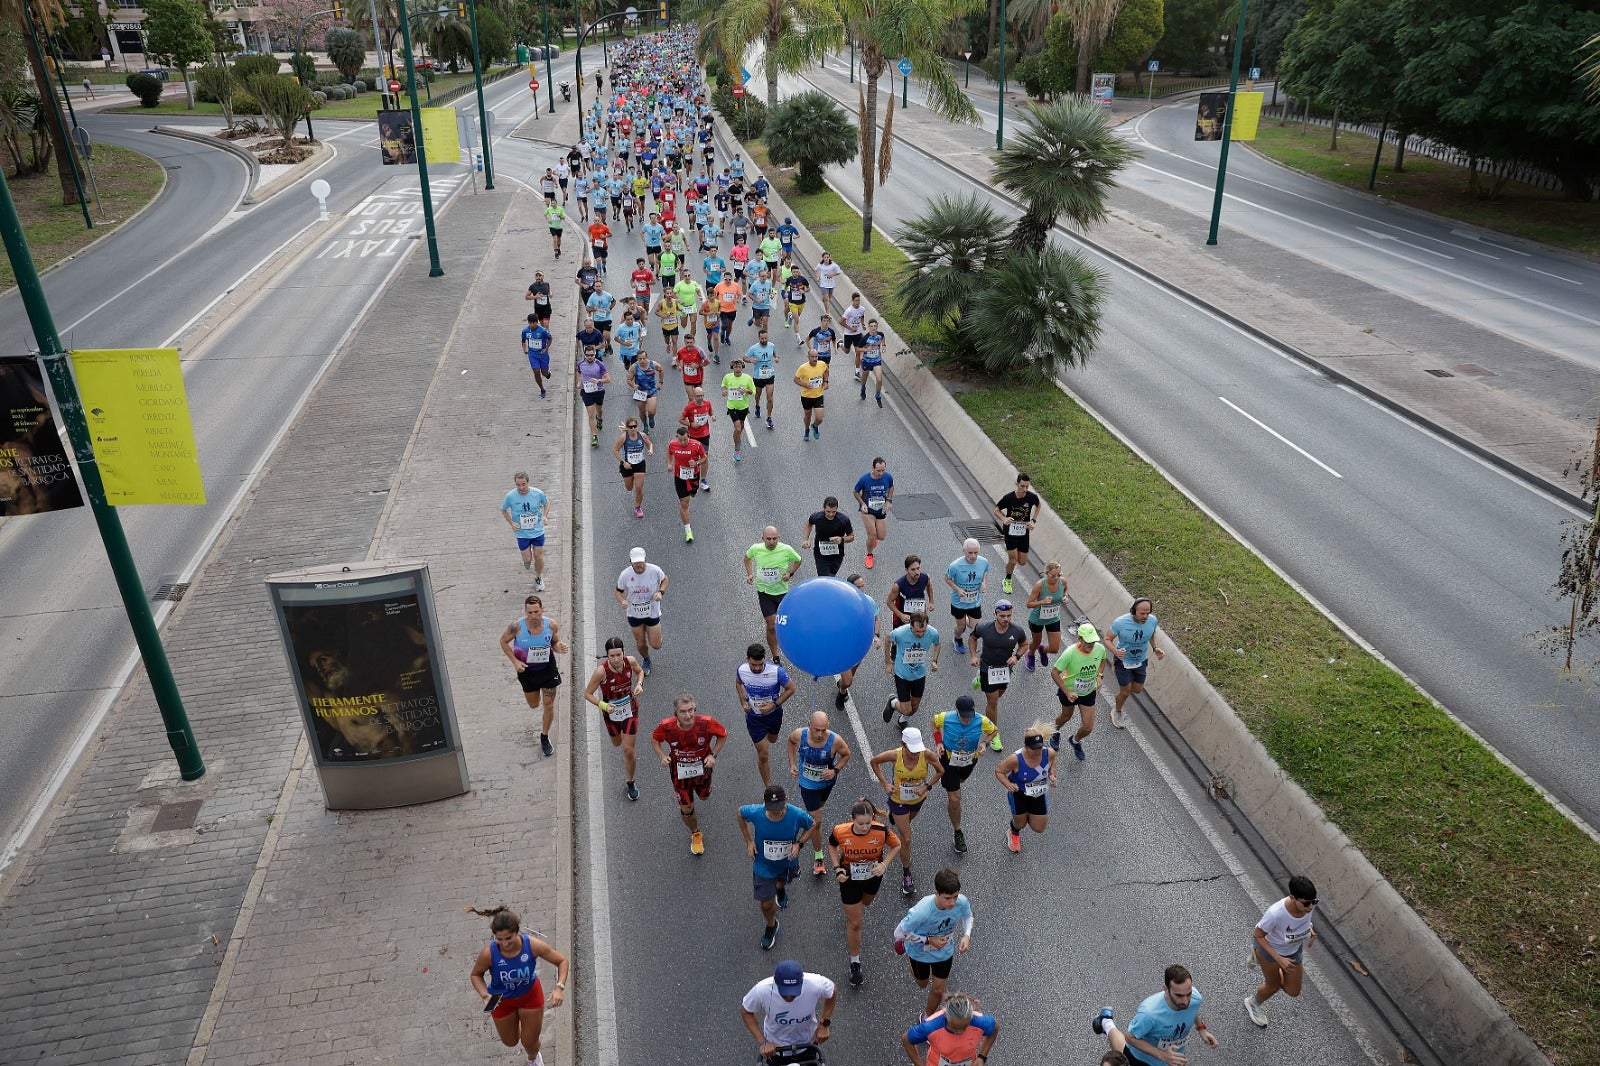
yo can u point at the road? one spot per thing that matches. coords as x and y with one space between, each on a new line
1258 438
245 386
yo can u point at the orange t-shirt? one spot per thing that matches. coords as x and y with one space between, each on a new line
599 232
728 295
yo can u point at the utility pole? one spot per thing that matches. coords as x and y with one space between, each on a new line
483 118
434 269
1227 122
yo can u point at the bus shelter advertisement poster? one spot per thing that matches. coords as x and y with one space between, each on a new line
35 475
371 690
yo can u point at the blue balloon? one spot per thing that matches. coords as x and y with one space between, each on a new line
825 625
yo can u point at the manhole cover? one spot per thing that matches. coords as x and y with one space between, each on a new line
1440 373
920 507
179 815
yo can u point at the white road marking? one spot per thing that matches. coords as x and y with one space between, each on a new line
1468 235
240 280
1558 277
1381 236
1281 437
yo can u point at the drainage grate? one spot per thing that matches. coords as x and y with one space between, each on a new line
1440 373
982 529
181 815
170 590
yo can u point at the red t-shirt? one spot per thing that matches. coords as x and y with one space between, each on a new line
693 362
642 280
599 232
699 416
685 455
687 745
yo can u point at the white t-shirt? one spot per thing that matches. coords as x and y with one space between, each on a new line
789 1021
854 318
640 590
1286 933
827 273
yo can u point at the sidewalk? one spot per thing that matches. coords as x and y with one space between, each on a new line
1526 405
270 930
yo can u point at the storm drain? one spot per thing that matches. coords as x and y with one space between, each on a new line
982 530
1440 373
170 590
173 816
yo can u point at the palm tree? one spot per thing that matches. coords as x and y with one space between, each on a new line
887 30
794 35
1063 162
44 16
1091 25
1590 71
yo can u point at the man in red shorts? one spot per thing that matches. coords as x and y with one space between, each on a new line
688 462
697 417
687 745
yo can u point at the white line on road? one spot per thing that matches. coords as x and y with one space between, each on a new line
1281 437
1558 277
1468 235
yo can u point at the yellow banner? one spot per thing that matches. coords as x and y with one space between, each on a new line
1246 115
439 135
138 412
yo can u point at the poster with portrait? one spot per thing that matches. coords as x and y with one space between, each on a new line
370 687
35 473
1213 113
397 141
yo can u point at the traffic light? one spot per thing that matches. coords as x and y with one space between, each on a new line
339 12
461 9
661 11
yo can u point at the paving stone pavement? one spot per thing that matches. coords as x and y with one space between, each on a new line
354 946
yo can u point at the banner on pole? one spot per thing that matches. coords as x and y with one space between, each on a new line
395 140
139 425
1246 116
1103 89
35 474
439 135
1213 111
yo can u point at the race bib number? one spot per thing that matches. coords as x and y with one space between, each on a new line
769 574
691 768
735 393
813 383
621 710
528 521
910 793
914 656
634 458
761 704
776 850
686 473
913 606
861 871
999 675
955 1062
1085 685
1037 787
536 656
641 395
827 547
960 758
593 385
967 595
1049 612
1018 529
875 506
701 419
814 771
641 610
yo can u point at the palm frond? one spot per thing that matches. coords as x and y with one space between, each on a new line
948 247
1036 315
1063 161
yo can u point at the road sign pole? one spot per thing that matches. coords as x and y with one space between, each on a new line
549 74
1150 96
1372 179
905 91
162 684
1227 123
483 119
434 269
1000 115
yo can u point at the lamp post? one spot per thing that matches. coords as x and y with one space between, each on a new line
483 118
434 269
1000 114
1227 122
549 75
630 12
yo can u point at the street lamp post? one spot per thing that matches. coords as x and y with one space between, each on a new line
629 13
1227 122
549 75
483 118
434 269
1000 114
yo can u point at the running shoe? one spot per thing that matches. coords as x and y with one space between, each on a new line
646 664
1077 748
688 535
697 844
715 358
770 937
545 746
807 434
738 457
638 512
538 584
863 392
1055 740
879 397
1005 586
783 898
869 560
1013 840
1118 717
857 978
705 486
1030 662
961 842
997 746
594 440
856 376
818 867
757 410
1098 1026
633 793
839 698
769 421
543 395
599 421
1254 1009
817 432
908 886
961 646
888 710
902 723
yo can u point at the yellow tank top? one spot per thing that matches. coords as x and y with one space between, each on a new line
907 778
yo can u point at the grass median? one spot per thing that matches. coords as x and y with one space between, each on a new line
1499 874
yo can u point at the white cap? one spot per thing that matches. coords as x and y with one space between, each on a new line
911 737
636 556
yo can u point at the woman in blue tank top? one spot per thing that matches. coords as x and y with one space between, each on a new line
646 377
531 643
1028 774
506 978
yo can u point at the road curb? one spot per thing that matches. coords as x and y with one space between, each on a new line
1455 1013
251 163
322 153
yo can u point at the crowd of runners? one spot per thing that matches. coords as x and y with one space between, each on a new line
714 254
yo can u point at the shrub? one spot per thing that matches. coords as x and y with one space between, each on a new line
345 51
283 100
358 86
245 104
746 116
318 98
217 85
147 87
304 66
810 131
248 66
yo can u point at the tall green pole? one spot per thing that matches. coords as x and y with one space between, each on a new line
549 74
1000 115
61 123
162 684
852 59
434 269
1372 179
1227 123
483 117
905 91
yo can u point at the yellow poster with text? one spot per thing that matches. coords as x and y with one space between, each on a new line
439 135
138 414
1246 115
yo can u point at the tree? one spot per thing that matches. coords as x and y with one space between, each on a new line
47 15
177 34
1050 72
1590 71
810 132
283 101
1063 162
1578 579
794 35
494 39
885 29
1134 34
220 83
1192 29
345 51
1091 22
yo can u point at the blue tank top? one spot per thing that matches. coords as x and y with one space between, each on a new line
511 977
814 761
1025 776
535 649
644 377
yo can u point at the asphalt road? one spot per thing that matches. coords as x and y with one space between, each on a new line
1124 881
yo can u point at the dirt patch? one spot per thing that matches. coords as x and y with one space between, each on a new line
286 155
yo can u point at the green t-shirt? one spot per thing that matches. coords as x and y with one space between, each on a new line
669 264
555 215
1081 671
771 564
688 294
771 249
740 387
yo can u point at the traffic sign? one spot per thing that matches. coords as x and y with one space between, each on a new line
1153 66
744 74
1255 73
394 86
738 90
533 83
966 55
905 68
80 137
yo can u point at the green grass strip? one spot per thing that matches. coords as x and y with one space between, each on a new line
1508 882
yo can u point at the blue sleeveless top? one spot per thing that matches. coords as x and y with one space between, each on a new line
514 976
535 649
1024 775
814 761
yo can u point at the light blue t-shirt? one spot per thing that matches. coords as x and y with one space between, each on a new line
761 295
601 303
615 187
627 338
764 356
714 267
925 919
652 233
737 168
1156 1022
1134 639
527 510
911 652
969 579
774 838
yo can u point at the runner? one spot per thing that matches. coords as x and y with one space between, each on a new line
640 588
816 755
511 992
831 532
727 294
630 337
910 594
860 851
769 566
967 577
599 238
643 280
772 832
812 377
713 321
789 1003
1044 616
687 744
536 343
763 688
555 217
691 360
828 272
531 643
1161 1027
795 287
615 688
690 296
631 449
997 646
1281 938
927 934
738 387
696 417
593 377
913 773
1017 512
1077 676
960 741
853 319
1027 774
580 189
955 1034
875 495
653 233
821 339
645 378
688 462
787 232
762 356
539 293
848 677
872 360
909 653
1128 643
527 509
671 316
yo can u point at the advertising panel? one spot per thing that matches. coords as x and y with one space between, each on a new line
35 474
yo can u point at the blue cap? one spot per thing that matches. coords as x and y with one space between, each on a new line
789 977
